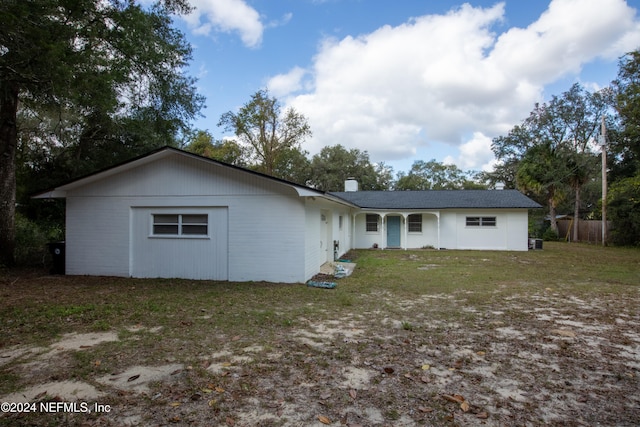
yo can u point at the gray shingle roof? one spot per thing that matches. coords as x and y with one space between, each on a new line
439 199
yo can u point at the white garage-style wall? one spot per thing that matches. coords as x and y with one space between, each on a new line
161 255
256 225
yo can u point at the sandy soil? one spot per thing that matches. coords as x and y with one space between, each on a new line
546 359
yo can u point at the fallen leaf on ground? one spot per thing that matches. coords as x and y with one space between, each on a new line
482 415
219 389
323 419
465 406
133 378
564 333
353 394
456 398
425 367
174 404
423 409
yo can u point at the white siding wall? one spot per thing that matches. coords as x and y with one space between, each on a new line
319 247
342 234
312 248
518 230
266 220
362 238
97 236
510 232
428 236
186 257
266 239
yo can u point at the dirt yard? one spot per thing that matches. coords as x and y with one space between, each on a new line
519 352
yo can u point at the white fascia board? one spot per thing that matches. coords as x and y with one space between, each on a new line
51 194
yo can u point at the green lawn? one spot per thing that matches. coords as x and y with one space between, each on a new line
411 338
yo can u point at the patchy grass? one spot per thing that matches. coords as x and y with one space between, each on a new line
410 338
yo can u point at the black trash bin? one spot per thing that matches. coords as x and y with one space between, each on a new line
56 249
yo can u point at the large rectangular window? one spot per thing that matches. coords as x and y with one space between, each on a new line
180 224
481 221
415 223
372 222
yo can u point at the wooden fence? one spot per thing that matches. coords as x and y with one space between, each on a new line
589 231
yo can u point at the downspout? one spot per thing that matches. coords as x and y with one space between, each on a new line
438 216
405 217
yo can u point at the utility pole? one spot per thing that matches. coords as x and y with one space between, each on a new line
603 144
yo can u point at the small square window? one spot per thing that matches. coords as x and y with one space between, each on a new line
372 222
415 223
473 221
488 221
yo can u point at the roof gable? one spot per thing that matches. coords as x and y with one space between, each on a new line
163 153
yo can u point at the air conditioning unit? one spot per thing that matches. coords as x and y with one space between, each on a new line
535 244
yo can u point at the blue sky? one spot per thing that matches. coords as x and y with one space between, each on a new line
405 80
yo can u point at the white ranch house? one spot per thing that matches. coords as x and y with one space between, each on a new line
174 214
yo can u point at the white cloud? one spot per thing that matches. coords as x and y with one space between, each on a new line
284 84
226 16
441 77
475 154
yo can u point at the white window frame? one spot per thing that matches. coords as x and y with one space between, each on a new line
180 225
367 223
414 223
481 221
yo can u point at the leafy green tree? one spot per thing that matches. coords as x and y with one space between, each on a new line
624 141
557 135
623 138
433 175
266 131
293 165
333 165
227 151
96 80
538 173
623 207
